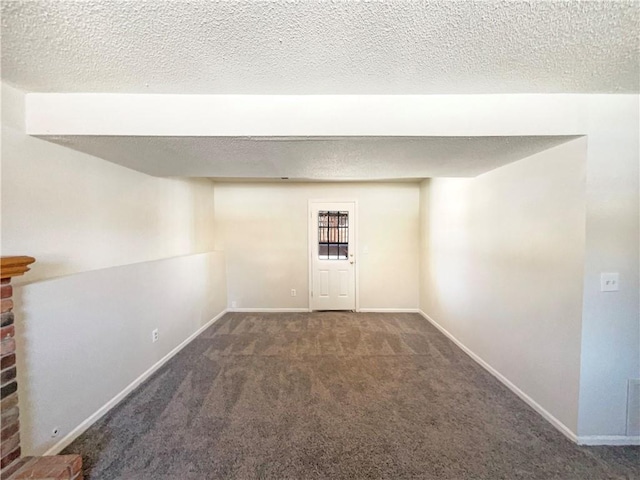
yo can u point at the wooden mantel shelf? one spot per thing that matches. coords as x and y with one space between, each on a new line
14 266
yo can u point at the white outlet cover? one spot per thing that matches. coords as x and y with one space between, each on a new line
609 282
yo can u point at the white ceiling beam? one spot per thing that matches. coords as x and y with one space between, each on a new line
304 115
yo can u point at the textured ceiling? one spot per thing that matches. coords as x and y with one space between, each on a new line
325 158
321 47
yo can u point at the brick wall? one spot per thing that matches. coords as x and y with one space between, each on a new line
10 433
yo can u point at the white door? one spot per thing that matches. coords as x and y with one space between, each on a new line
332 251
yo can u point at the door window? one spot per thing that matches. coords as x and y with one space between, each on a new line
333 235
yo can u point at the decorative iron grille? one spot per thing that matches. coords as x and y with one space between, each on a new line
333 235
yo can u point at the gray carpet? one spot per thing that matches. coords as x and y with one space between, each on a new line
332 396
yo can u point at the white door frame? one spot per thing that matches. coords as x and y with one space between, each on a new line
312 248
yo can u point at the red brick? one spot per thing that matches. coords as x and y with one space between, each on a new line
6 291
76 463
9 430
7 361
6 318
10 415
6 461
9 445
7 346
8 389
7 375
9 402
14 467
8 331
59 467
6 305
38 467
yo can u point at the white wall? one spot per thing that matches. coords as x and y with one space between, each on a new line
262 228
74 212
610 326
502 270
118 253
82 339
611 321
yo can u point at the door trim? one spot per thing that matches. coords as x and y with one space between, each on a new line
311 248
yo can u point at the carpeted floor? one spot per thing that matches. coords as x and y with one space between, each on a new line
332 396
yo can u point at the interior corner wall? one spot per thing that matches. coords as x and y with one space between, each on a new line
611 320
502 270
118 253
263 230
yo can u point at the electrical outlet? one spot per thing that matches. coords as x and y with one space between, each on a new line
154 336
55 432
609 282
234 304
293 292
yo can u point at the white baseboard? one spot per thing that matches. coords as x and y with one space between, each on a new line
566 431
389 310
306 310
608 440
268 310
80 429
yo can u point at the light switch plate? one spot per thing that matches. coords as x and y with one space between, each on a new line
609 282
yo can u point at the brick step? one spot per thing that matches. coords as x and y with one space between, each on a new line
56 467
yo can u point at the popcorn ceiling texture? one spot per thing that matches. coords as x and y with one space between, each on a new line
312 47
